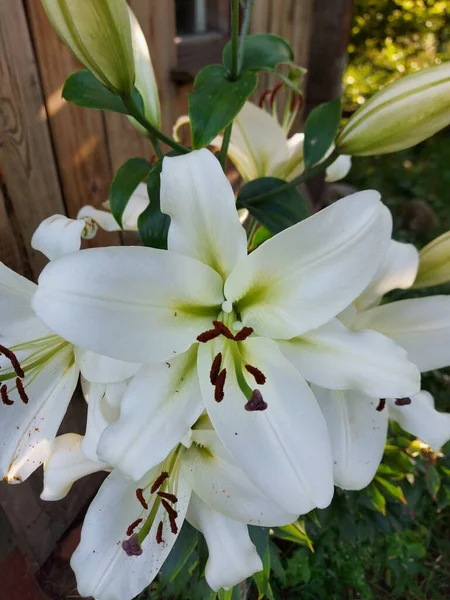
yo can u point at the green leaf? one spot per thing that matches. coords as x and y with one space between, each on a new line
296 532
260 537
153 225
433 481
395 491
262 52
279 210
262 578
215 102
84 89
180 553
377 499
261 235
125 182
232 594
320 130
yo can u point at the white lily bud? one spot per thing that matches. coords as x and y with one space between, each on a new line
401 115
145 76
98 32
434 263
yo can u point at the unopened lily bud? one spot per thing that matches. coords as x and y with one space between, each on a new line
401 115
434 263
98 32
145 76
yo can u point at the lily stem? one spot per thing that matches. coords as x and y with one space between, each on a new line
225 145
235 5
244 32
155 134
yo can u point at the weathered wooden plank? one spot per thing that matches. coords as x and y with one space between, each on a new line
12 248
29 171
157 20
78 134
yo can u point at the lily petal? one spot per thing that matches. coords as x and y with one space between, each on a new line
335 357
302 277
232 554
158 409
398 270
339 169
420 325
27 431
284 450
130 303
199 199
58 235
421 419
102 567
216 478
102 369
358 435
65 465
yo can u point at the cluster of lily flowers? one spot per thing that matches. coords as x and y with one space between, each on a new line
223 388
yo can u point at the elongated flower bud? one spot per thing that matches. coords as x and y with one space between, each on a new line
434 263
98 32
145 76
401 115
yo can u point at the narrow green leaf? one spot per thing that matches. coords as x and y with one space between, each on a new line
320 130
184 547
377 499
433 481
296 532
153 225
260 537
395 491
215 102
262 52
279 210
262 578
124 183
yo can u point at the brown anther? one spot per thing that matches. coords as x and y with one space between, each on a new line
153 159
169 497
140 497
132 546
219 386
259 376
159 537
243 334
223 329
209 335
5 398
215 368
381 404
256 402
159 481
173 525
21 391
274 93
133 526
402 401
263 98
13 360
170 510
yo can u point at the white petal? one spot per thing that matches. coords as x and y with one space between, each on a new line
103 409
358 435
160 405
65 465
232 554
302 277
27 431
216 478
421 419
133 304
104 219
335 357
398 270
285 449
294 165
102 568
339 169
199 199
102 369
57 236
420 325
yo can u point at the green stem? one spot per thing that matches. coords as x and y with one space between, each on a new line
244 32
234 39
134 111
316 170
224 148
159 153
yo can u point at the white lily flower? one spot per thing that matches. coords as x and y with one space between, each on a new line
260 147
203 314
358 422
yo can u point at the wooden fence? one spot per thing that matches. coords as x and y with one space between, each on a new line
55 157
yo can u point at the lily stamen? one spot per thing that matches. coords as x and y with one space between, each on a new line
140 497
159 481
171 497
256 402
208 335
173 525
132 526
258 375
169 509
243 334
13 360
215 368
381 404
223 329
159 537
5 398
219 386
21 391
402 401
